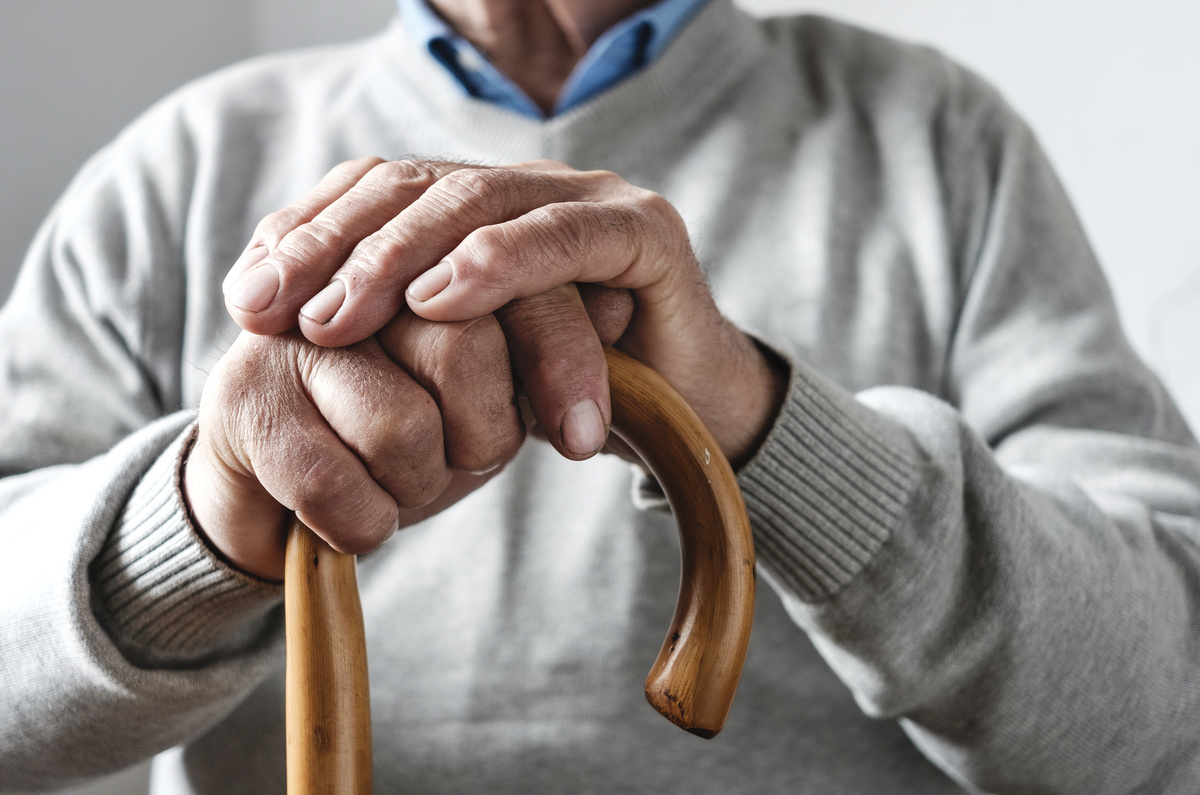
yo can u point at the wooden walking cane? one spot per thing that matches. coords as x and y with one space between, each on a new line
693 681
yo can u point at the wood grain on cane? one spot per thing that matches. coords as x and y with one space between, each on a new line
328 695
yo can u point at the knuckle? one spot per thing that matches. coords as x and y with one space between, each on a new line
609 179
378 443
471 370
646 226
378 256
402 175
325 232
474 191
356 166
639 224
250 387
313 240
654 202
560 231
325 487
453 356
659 213
492 251
471 348
255 359
349 507
403 449
478 364
656 216
307 362
417 430
274 226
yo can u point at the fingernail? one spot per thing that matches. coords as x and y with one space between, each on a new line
325 304
431 282
255 290
583 428
250 257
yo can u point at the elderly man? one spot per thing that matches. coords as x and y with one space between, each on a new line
977 512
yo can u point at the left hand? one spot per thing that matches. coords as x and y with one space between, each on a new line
456 242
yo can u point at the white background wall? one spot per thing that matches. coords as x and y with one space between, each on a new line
1111 86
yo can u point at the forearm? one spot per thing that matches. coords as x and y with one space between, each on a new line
176 639
1027 628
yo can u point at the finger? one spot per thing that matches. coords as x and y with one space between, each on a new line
272 228
267 297
465 368
634 243
609 309
560 362
285 441
369 288
386 418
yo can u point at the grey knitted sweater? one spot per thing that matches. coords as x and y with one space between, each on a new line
978 515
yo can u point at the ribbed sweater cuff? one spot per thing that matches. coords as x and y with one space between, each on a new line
164 597
827 487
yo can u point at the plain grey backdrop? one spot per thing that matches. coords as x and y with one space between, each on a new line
1112 87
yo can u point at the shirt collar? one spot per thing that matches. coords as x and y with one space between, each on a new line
620 52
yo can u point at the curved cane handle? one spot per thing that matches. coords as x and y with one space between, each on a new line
695 677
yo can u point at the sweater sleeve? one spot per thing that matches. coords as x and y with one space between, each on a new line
1010 568
121 634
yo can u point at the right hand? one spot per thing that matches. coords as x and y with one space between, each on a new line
453 241
358 441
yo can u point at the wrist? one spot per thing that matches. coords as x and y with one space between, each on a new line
233 513
758 389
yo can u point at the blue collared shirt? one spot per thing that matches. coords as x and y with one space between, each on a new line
620 52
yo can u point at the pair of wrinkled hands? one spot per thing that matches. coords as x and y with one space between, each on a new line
392 315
